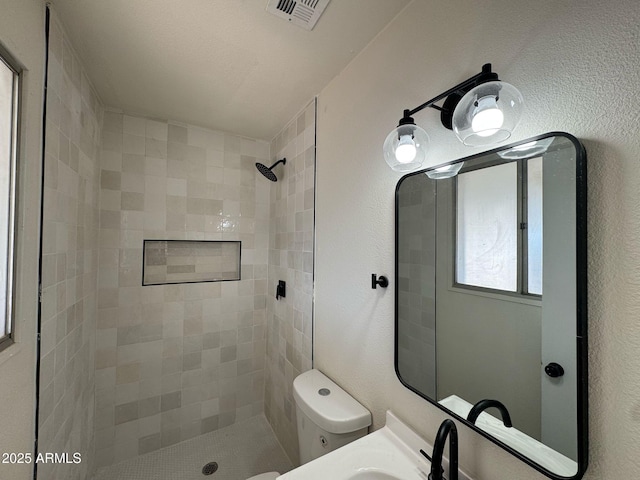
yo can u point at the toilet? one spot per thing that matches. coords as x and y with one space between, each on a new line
327 418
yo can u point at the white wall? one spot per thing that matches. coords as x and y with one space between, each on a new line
22 34
576 63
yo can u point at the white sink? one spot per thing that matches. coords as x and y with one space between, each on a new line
373 474
391 453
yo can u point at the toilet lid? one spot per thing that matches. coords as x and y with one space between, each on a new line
265 476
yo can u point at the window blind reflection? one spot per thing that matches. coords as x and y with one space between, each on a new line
486 227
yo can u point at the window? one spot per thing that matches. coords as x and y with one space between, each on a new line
533 225
499 227
9 84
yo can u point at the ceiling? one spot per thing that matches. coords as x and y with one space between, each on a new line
223 64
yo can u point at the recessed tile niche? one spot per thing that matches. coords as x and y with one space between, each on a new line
190 261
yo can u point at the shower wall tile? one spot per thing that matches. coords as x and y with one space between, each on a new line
176 361
291 247
70 262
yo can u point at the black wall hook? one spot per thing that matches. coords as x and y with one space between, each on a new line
382 281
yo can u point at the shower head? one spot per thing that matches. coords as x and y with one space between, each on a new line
266 171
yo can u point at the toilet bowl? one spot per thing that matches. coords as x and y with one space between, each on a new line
327 417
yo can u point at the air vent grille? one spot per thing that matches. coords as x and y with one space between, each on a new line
303 13
286 6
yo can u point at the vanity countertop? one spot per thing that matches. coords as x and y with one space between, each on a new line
391 453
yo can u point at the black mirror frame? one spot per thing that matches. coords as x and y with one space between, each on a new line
581 310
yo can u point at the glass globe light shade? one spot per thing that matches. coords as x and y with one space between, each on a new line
487 114
405 148
447 171
526 150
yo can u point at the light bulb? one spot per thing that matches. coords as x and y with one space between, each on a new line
487 117
487 114
406 149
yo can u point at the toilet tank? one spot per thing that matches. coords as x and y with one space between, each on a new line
327 416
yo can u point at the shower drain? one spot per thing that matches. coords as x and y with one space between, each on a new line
210 468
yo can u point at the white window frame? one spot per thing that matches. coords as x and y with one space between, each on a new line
8 338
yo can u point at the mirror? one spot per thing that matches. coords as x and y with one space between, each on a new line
491 296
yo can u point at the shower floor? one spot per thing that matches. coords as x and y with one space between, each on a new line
241 450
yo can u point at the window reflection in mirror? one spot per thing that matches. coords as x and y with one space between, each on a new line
499 227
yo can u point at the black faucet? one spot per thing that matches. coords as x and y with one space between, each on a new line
447 428
488 403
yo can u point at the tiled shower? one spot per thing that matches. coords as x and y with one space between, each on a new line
127 369
289 339
70 251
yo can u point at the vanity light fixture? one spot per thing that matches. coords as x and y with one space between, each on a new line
482 110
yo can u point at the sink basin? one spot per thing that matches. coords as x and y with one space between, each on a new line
391 453
373 475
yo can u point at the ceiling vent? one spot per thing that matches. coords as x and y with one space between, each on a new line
303 13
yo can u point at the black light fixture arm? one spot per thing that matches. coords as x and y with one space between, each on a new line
486 75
